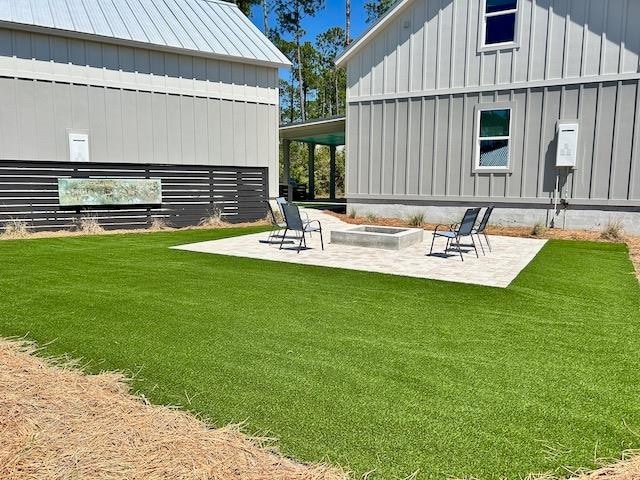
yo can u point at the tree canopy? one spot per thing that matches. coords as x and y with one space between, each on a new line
377 8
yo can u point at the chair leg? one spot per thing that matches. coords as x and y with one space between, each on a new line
480 242
459 248
473 242
321 240
272 234
487 239
302 239
283 237
432 241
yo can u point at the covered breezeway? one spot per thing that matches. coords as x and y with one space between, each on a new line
327 132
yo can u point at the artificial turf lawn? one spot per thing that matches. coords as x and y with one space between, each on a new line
365 370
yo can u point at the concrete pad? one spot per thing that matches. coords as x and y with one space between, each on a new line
495 269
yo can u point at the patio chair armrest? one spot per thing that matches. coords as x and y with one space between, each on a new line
435 230
313 221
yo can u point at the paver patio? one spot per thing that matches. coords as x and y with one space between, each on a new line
497 269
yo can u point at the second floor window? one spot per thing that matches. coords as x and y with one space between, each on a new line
499 22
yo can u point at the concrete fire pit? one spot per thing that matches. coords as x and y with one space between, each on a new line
389 238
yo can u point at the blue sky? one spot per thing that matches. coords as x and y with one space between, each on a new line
331 16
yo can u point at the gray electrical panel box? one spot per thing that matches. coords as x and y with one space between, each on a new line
567 154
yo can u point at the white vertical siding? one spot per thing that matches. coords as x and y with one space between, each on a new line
422 148
432 45
135 127
43 57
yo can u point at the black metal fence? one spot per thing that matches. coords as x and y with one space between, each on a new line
190 193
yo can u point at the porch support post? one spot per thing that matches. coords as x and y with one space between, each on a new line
286 155
312 171
332 172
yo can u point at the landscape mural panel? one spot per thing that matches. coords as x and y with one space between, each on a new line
86 192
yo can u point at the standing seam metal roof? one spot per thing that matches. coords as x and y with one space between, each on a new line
207 27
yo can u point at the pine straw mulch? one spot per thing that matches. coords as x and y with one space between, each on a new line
632 241
58 423
205 225
626 469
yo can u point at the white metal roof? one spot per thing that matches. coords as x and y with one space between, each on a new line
205 27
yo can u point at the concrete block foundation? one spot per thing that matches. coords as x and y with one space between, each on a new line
573 217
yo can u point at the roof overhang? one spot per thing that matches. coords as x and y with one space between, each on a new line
379 25
330 131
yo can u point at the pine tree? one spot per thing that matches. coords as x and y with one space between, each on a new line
244 5
377 8
290 14
330 44
347 23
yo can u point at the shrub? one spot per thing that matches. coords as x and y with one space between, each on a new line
416 220
15 229
538 229
613 231
352 213
89 225
214 219
159 223
277 214
371 218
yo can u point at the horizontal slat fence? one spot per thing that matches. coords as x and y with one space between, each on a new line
190 193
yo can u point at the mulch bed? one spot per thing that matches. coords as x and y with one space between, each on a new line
79 233
58 423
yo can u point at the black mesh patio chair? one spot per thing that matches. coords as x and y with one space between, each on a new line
294 223
453 235
276 224
481 228
281 201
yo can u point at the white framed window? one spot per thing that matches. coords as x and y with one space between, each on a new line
493 138
499 24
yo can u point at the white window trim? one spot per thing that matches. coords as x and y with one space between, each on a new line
483 107
482 28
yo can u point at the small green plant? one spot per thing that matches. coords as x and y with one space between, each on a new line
15 229
353 213
538 229
371 218
416 220
613 231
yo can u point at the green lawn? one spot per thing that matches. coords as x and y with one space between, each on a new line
364 370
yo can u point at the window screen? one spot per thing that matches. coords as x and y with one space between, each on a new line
494 131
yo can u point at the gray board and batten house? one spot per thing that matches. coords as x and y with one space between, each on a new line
531 105
184 91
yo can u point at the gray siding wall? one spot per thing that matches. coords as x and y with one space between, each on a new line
46 57
432 46
422 148
138 106
135 126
